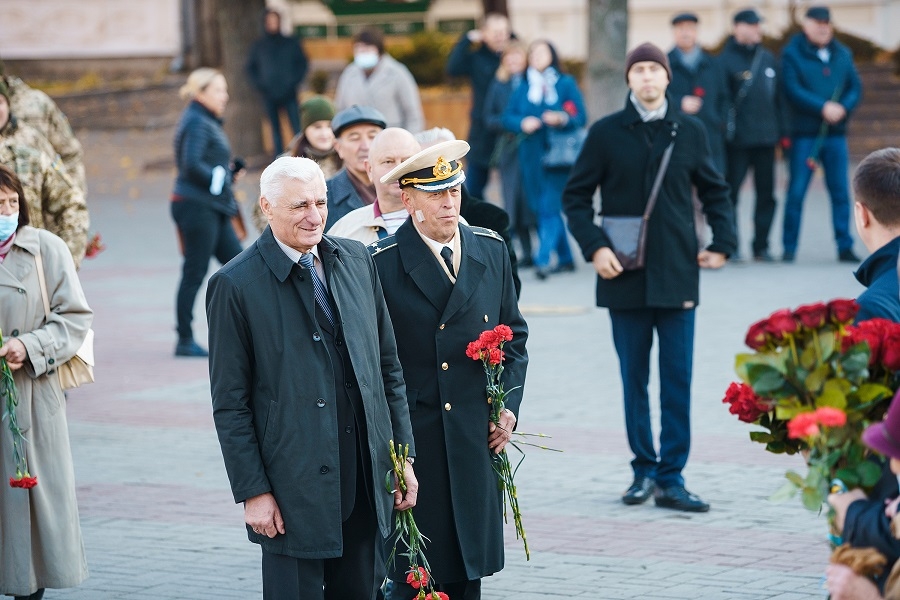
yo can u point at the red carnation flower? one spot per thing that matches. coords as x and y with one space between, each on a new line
812 316
495 356
757 337
803 425
25 482
782 323
831 417
417 578
439 596
699 92
843 311
505 332
570 108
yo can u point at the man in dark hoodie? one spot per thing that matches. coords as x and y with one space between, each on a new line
756 121
822 87
276 67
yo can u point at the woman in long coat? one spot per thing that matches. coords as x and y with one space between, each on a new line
40 536
546 99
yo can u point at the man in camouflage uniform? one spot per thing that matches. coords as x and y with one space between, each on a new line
38 110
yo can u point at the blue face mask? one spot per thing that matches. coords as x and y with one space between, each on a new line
366 60
8 225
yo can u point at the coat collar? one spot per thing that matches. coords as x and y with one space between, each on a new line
15 268
419 263
881 261
631 117
281 265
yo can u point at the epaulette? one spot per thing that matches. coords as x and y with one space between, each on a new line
385 243
484 231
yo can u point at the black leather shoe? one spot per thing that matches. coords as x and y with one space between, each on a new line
787 257
763 256
640 491
190 348
680 499
542 273
564 268
847 256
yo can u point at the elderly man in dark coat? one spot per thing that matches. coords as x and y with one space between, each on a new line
622 156
444 284
307 392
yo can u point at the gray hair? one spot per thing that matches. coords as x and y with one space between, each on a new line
433 136
304 170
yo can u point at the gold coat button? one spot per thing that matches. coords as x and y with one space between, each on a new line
447 406
442 326
485 318
445 366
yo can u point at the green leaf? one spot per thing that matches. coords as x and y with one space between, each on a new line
869 473
786 492
764 379
762 437
788 410
816 379
856 359
795 478
808 358
812 498
834 394
848 476
872 392
827 343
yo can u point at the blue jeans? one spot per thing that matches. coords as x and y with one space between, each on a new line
544 189
293 112
834 158
633 338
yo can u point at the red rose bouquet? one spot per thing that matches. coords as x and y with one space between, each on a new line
813 384
23 478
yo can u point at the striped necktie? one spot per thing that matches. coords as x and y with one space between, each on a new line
306 261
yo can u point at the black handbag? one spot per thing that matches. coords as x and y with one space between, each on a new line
563 147
628 235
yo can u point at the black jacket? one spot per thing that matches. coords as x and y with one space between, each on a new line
761 117
621 156
708 82
478 64
276 66
200 146
273 387
459 505
342 197
879 274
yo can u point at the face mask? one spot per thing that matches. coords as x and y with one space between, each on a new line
366 60
8 225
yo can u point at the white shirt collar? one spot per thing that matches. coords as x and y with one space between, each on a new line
293 253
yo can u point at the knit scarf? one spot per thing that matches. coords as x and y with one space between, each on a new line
542 86
6 246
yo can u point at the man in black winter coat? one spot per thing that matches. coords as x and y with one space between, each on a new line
276 67
756 122
622 156
698 84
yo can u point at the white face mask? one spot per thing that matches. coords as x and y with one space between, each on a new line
366 60
8 225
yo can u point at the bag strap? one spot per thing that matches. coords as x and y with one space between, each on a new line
745 85
657 183
39 262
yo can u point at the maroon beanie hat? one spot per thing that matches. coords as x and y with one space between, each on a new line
647 52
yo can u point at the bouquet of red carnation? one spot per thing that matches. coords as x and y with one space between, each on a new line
23 478
813 384
94 246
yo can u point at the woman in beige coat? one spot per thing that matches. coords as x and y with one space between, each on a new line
40 536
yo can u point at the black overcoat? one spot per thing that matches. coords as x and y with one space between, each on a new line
620 159
459 501
273 390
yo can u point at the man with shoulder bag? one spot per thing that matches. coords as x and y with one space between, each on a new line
645 160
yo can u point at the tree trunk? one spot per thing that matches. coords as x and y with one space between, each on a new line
495 6
239 23
607 45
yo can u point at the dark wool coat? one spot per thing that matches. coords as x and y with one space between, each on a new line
342 197
761 117
459 506
620 158
273 388
200 146
276 65
879 274
809 83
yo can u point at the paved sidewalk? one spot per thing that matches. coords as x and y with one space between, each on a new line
158 517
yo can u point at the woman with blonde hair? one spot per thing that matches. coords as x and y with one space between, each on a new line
202 201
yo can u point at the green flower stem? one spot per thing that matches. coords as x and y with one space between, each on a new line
11 396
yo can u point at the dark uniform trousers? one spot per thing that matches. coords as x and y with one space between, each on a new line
359 571
762 160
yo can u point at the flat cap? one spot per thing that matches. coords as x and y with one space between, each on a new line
433 169
354 116
819 13
685 17
749 16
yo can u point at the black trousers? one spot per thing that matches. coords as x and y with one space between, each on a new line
205 232
356 575
762 160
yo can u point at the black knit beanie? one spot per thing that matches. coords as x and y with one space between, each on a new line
647 52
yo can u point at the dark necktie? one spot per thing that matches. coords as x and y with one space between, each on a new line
307 261
447 255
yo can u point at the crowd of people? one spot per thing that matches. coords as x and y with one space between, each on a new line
381 261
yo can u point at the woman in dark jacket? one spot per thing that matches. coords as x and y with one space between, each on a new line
545 99
506 154
202 202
